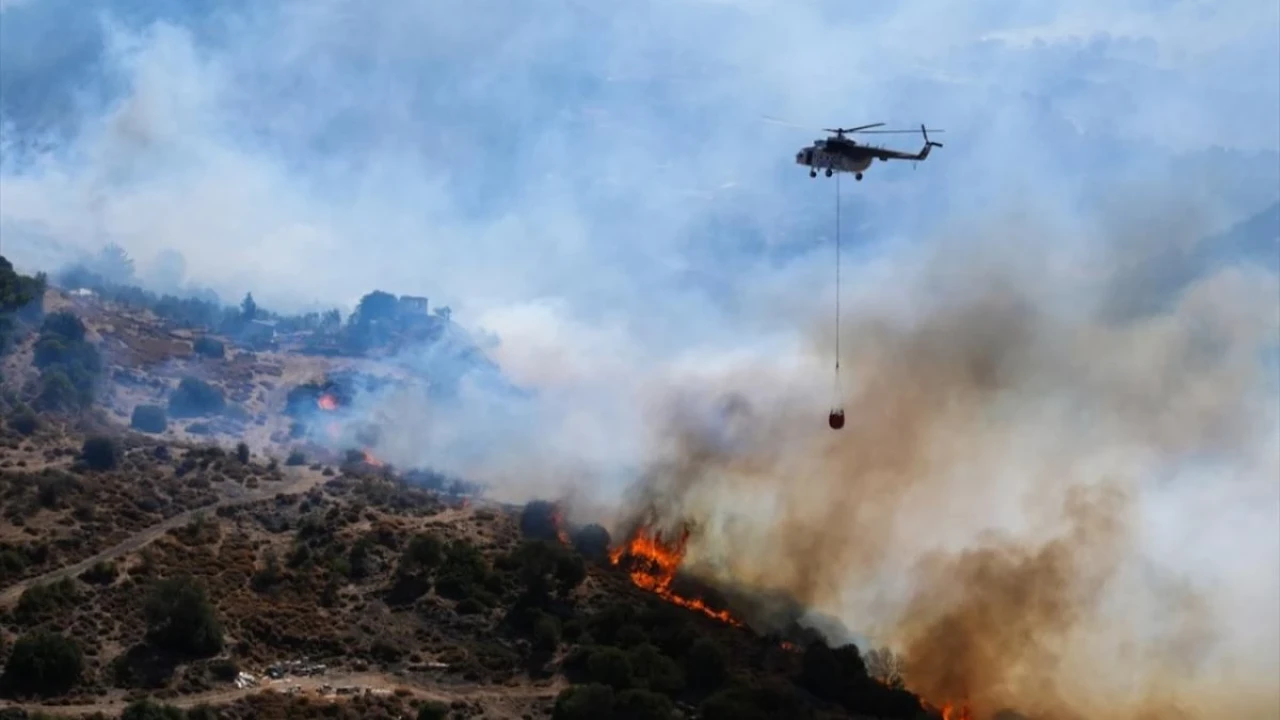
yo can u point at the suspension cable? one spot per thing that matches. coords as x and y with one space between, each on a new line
837 275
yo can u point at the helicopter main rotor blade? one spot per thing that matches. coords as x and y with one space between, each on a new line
776 121
896 132
860 128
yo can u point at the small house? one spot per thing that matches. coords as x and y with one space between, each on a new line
411 305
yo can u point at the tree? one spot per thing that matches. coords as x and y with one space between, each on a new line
149 419
24 422
114 265
377 305
100 453
639 704
433 710
885 666
706 665
584 702
592 542
69 365
610 666
43 663
248 308
209 347
180 617
540 520
194 397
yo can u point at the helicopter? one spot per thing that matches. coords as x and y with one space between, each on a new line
841 154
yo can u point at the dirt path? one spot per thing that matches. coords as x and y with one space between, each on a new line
301 481
325 686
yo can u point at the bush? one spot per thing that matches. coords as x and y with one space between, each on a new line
69 365
42 599
425 552
546 634
194 398
148 709
296 458
432 710
42 663
705 665
180 618
103 572
24 422
242 453
584 702
208 347
592 542
100 453
643 705
610 666
540 521
149 419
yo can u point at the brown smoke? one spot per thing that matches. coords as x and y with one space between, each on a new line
982 509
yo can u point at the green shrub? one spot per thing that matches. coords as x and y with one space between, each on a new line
24 422
194 398
209 347
180 617
149 419
432 710
42 663
584 702
100 453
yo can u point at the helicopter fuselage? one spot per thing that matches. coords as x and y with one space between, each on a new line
834 157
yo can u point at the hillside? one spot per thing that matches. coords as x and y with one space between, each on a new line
180 528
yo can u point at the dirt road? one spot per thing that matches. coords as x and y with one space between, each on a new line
297 480
324 686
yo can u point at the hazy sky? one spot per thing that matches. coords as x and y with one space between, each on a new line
612 157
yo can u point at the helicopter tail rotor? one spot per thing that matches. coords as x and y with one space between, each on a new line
927 141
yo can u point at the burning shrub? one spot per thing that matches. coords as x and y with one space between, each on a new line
149 419
539 520
194 398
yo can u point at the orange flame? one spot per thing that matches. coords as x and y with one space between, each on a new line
370 459
327 402
951 712
653 564
561 534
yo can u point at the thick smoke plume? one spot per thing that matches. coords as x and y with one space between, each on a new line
1044 504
